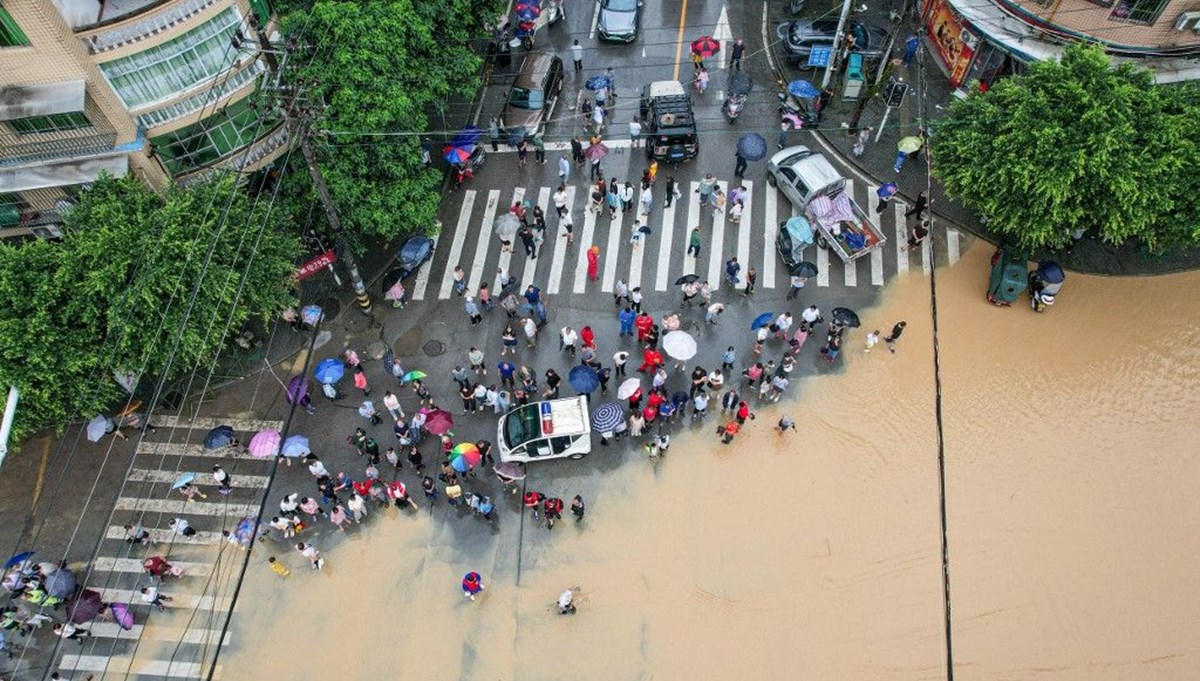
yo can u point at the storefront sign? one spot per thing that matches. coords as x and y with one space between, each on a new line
955 43
315 265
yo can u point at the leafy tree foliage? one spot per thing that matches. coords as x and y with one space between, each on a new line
137 277
380 68
1077 144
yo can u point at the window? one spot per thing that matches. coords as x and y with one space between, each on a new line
202 143
204 100
35 125
176 66
11 34
1138 11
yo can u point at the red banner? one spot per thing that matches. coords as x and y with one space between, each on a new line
954 42
315 265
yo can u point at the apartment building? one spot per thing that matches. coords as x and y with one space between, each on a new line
979 40
156 88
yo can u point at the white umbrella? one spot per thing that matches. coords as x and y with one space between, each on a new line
97 427
680 345
506 226
629 387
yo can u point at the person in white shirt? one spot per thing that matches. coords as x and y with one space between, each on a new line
700 405
318 469
151 596
635 132
392 403
312 554
568 338
783 324
810 317
181 527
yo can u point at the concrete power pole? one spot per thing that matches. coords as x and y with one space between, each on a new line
295 120
837 45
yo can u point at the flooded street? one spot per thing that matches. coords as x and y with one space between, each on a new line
1073 525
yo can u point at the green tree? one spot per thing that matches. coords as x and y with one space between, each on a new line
1076 144
141 283
380 68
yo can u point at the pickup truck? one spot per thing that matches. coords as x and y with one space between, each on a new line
813 186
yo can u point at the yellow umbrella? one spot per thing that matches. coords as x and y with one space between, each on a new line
910 144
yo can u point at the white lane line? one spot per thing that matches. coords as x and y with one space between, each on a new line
770 229
589 232
877 267
560 249
485 237
901 240
822 266
952 247
421 284
850 273
530 272
636 255
926 256
456 246
689 263
595 23
146 475
743 227
662 276
213 508
135 566
113 666
240 425
159 633
506 258
716 255
766 41
614 249
563 146
169 536
181 600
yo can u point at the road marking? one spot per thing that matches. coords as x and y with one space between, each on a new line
564 146
877 267
770 230
822 266
716 253
180 449
926 256
850 273
456 246
614 250
146 475
213 508
169 536
247 425
560 247
159 633
506 257
114 666
743 226
135 566
595 22
766 42
664 247
543 202
689 263
679 38
952 252
422 282
901 240
485 235
589 232
637 255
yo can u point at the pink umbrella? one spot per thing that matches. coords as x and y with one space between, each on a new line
264 444
439 422
121 615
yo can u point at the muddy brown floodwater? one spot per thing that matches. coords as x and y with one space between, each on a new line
1073 526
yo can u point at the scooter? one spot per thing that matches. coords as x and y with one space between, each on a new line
733 106
791 112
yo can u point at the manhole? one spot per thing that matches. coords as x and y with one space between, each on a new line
433 348
377 350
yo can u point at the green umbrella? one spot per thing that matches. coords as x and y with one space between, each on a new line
910 144
413 376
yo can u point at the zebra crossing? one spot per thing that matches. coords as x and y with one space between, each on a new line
180 642
660 257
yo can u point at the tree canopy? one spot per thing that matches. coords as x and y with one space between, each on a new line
1077 144
135 273
380 68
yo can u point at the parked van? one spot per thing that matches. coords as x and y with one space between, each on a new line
534 93
552 429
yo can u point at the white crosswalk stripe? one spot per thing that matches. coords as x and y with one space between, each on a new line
506 256
421 284
751 240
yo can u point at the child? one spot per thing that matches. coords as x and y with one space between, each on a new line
278 568
872 340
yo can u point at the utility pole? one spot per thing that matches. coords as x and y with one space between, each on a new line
295 120
837 45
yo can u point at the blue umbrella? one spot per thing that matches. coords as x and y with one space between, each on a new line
607 417
460 464
529 13
244 531
183 479
761 320
330 370
221 436
468 136
597 82
887 191
515 135
295 447
803 89
457 155
752 146
583 379
18 559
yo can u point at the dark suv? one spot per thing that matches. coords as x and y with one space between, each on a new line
800 36
667 122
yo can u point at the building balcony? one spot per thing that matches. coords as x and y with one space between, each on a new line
245 160
134 20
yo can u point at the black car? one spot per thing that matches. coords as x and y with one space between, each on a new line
413 253
619 20
800 36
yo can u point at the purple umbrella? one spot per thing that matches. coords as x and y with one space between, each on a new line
297 388
121 615
264 444
84 606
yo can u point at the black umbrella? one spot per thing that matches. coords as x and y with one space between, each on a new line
60 583
844 316
686 279
84 606
390 279
740 84
803 269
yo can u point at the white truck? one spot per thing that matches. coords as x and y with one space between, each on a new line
816 188
550 429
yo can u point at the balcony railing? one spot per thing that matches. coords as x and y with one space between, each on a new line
150 25
19 150
241 160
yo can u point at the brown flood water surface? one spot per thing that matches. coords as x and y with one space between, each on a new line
817 554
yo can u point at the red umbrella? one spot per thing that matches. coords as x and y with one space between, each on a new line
705 46
439 422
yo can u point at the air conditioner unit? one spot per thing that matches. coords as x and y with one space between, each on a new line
46 231
1187 18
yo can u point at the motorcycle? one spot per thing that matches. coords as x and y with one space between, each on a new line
795 114
461 173
1044 284
739 88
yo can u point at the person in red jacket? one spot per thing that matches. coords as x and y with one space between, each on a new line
588 337
743 412
643 324
553 508
534 500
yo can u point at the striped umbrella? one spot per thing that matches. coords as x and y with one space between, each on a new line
607 417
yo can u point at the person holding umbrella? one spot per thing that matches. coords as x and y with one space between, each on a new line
472 584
